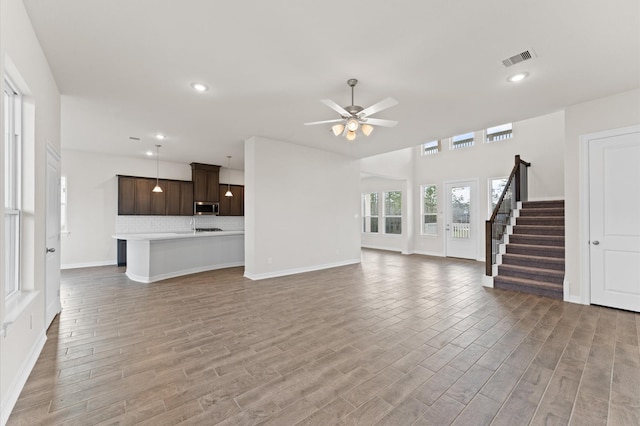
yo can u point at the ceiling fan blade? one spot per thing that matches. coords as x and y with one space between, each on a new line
380 122
383 104
337 120
337 108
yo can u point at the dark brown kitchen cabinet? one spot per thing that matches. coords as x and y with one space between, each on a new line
149 202
135 197
126 195
186 198
232 206
205 179
173 192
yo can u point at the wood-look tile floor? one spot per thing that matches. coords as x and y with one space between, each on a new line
396 340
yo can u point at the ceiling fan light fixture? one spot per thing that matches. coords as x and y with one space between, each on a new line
354 118
352 125
337 129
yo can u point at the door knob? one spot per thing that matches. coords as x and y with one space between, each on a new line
51 250
595 243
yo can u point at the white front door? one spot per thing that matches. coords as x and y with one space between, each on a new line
52 274
614 220
461 226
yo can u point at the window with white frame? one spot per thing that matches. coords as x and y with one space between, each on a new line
63 204
501 132
429 148
393 212
462 141
370 212
429 210
12 185
496 186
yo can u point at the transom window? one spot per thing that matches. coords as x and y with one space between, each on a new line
462 141
432 147
501 132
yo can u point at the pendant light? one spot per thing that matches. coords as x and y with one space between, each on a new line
157 187
228 193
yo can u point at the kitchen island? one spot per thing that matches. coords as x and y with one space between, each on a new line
155 257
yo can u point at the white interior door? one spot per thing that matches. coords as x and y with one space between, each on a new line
461 226
52 274
614 220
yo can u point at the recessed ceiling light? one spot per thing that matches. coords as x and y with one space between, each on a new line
199 87
518 77
149 153
160 136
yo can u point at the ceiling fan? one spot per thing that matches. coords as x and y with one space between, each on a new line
354 118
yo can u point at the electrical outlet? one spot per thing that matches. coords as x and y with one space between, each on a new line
269 260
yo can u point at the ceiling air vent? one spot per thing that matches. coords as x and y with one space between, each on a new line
520 57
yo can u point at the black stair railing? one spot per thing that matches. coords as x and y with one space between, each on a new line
515 190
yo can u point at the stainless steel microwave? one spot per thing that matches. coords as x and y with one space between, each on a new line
206 207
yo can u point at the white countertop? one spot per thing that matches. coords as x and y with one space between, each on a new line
175 235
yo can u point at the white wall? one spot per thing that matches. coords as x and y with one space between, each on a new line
92 197
302 209
621 110
538 140
21 57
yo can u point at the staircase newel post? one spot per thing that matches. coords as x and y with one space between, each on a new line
517 176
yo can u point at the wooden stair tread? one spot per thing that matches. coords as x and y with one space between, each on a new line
539 271
533 204
533 258
529 283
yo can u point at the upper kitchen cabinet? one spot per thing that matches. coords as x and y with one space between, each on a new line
135 197
148 202
232 206
205 179
126 195
186 198
173 193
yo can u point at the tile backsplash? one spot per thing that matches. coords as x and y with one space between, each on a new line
154 224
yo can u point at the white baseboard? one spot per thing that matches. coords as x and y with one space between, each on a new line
285 272
376 247
567 297
428 253
487 281
13 392
88 264
575 299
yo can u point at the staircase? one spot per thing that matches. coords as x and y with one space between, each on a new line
534 258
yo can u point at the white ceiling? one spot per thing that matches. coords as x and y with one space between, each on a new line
124 68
